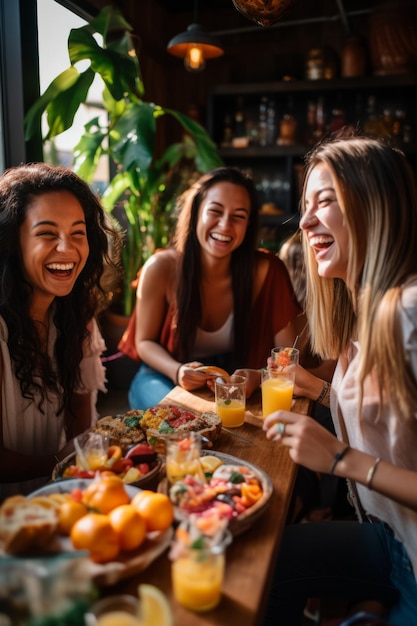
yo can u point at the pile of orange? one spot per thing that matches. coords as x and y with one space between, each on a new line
104 521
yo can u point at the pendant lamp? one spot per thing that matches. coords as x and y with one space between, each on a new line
195 45
263 12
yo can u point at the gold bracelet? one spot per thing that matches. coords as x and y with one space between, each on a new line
371 473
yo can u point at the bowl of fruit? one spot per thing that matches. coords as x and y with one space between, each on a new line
138 465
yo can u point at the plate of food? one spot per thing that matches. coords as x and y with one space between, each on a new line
234 489
138 465
35 526
160 422
156 423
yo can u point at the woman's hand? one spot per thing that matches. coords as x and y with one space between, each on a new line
309 443
188 378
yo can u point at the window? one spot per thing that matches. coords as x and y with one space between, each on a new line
54 25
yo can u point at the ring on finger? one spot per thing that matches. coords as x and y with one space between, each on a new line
280 428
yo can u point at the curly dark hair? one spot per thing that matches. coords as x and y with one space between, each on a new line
33 368
242 264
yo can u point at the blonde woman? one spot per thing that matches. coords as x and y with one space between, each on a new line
359 224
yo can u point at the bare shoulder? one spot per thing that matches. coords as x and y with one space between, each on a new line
161 265
158 275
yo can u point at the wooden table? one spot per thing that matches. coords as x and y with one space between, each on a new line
251 556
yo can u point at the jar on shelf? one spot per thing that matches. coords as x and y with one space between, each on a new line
353 58
321 63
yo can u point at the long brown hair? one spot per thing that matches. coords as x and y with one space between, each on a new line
377 193
189 270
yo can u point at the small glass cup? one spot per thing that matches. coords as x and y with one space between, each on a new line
91 450
278 380
231 400
119 610
183 457
198 573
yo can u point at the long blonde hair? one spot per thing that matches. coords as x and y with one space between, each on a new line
377 193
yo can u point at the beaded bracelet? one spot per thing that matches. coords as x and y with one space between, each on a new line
338 457
324 397
371 473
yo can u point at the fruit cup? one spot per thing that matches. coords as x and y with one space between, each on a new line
183 457
197 570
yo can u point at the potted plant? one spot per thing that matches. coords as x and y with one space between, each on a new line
142 191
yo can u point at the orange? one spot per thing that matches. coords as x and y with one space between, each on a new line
144 493
129 526
95 533
106 493
69 512
155 508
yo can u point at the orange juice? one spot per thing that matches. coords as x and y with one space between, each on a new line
197 580
277 394
231 412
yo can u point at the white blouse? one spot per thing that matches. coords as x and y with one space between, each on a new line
390 438
25 429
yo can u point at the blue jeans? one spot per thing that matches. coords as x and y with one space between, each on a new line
345 560
148 387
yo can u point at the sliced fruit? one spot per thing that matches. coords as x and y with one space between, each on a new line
209 463
154 607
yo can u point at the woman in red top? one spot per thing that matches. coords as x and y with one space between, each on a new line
211 298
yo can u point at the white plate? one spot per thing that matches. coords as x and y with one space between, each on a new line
244 520
128 563
69 484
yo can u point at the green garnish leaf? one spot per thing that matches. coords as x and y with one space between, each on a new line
236 477
227 402
133 421
165 428
198 544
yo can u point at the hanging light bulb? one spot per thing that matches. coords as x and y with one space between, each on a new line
195 45
194 60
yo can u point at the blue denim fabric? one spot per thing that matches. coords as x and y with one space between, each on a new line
402 577
148 387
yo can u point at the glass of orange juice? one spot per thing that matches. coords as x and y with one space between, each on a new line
231 400
183 457
198 570
91 450
278 380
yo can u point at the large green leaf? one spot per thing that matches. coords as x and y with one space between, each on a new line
135 132
88 150
118 71
62 109
61 83
108 20
207 156
116 188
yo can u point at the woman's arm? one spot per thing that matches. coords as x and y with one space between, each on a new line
315 447
152 301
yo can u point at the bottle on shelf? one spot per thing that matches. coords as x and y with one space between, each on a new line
240 138
263 130
271 123
227 131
